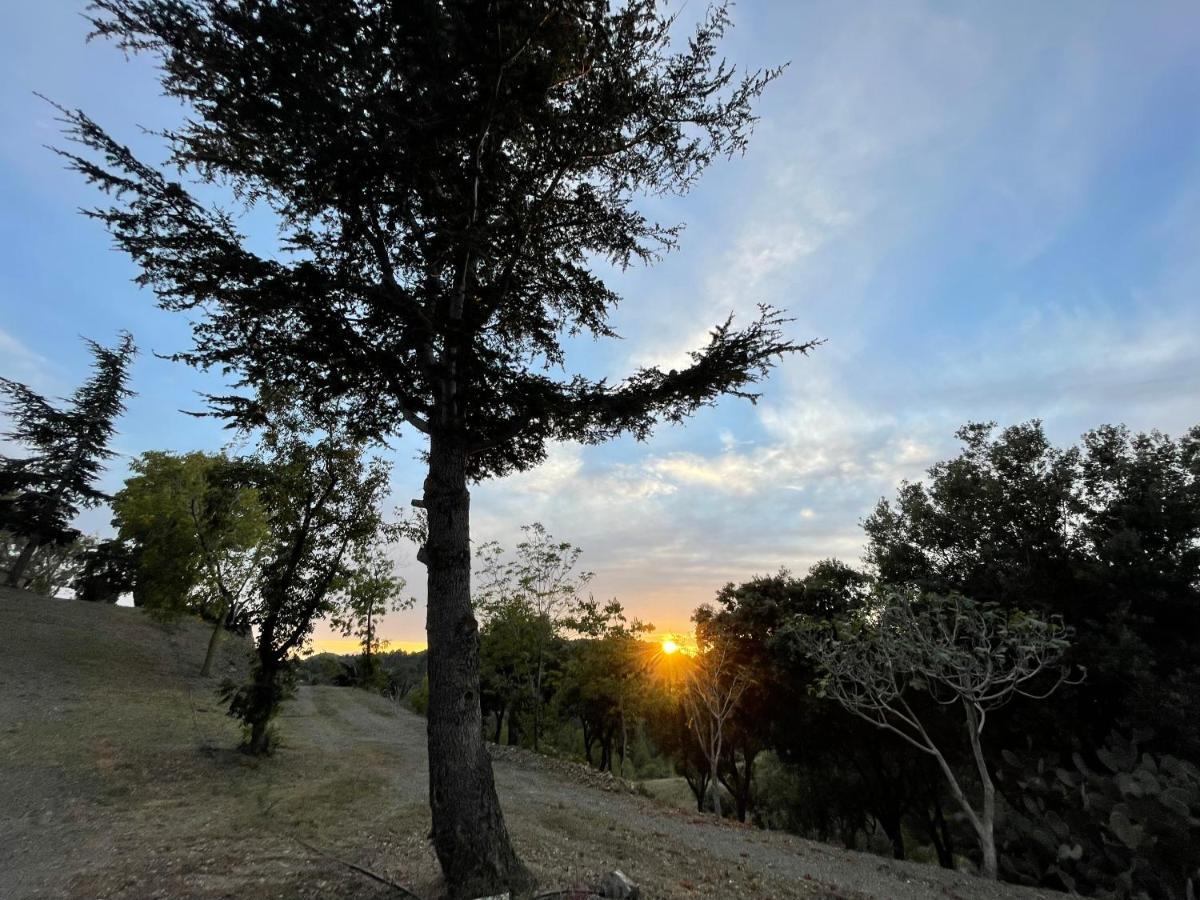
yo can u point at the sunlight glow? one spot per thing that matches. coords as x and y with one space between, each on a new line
669 646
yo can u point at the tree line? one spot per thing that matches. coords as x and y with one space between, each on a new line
1008 678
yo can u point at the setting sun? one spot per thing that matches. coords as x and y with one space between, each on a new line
669 646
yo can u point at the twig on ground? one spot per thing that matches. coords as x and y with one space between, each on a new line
362 870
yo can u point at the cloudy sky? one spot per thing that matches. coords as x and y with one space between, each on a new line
991 211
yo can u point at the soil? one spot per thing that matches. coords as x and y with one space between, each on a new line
118 778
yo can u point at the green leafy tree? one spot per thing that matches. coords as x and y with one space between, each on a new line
447 174
197 529
526 601
606 678
321 502
508 664
42 492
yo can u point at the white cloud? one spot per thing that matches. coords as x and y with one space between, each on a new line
19 362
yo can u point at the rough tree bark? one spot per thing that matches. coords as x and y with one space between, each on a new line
469 835
21 564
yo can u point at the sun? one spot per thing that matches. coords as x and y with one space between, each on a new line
669 646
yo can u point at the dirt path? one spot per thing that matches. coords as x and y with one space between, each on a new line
116 780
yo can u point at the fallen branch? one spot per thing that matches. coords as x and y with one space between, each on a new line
362 870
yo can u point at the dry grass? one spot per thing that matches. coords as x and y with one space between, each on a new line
118 780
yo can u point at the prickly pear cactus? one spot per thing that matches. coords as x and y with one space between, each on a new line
1128 829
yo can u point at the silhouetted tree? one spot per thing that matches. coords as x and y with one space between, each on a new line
975 657
445 173
1105 534
41 493
372 590
108 571
321 503
529 596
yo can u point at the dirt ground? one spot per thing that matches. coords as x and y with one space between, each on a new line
118 779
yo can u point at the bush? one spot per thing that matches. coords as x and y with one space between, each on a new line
418 698
1127 830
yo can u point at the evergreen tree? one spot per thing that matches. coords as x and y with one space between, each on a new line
41 493
444 174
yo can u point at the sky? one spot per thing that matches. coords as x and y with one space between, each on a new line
991 212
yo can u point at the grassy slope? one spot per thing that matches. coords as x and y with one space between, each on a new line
117 780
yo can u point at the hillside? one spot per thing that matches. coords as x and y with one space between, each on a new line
117 779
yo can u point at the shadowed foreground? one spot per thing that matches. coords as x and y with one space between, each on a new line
117 780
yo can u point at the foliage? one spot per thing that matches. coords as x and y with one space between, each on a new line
746 620
1105 535
254 703
195 526
606 680
1125 828
526 601
52 568
320 501
371 590
41 493
107 572
418 698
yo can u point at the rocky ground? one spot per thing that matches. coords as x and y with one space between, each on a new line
118 779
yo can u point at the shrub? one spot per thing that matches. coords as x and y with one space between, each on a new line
1128 829
418 698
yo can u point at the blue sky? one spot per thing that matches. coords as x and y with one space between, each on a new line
991 211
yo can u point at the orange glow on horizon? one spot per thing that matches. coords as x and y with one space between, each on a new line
669 646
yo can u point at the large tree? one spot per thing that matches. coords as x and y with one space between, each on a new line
42 492
449 178
1105 534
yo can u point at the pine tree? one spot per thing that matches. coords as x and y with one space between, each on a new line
41 493
444 174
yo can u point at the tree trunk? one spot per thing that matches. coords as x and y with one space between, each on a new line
258 744
537 704
699 787
21 563
715 783
514 729
985 825
892 826
469 835
210 654
588 740
624 741
939 834
499 723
